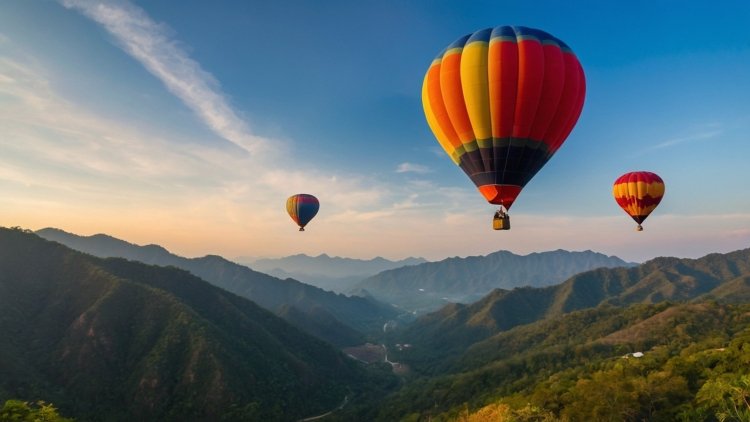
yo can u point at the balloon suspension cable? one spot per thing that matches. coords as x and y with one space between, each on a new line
502 210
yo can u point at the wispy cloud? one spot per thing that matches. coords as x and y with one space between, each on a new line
150 43
412 168
699 136
52 143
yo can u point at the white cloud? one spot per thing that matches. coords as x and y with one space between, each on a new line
412 168
150 43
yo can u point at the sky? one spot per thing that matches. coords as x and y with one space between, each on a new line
187 124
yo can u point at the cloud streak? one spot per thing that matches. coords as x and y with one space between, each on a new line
412 168
150 44
700 136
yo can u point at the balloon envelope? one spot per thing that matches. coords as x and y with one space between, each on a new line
501 102
302 208
638 193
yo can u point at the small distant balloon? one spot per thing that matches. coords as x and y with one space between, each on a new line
638 193
302 207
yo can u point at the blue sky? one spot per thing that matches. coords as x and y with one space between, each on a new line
189 123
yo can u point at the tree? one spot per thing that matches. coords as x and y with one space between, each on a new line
728 396
21 411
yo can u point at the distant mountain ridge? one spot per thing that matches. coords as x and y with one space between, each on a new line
358 313
450 330
335 273
110 339
465 280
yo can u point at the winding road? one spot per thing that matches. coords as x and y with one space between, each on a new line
314 418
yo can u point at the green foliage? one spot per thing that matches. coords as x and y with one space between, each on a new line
574 368
21 411
728 396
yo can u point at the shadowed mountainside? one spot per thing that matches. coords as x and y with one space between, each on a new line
353 313
120 340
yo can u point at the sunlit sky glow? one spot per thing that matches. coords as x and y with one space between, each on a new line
188 124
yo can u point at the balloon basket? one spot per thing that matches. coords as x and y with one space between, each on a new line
501 222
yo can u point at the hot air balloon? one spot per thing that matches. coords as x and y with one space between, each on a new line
638 193
302 208
501 102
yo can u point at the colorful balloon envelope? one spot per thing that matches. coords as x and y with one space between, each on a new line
638 193
501 102
302 208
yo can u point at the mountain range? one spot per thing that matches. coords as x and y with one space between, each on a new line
339 319
442 336
665 340
111 339
330 273
428 286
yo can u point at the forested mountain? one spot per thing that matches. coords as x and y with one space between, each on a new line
106 328
358 313
327 272
656 362
430 285
449 331
110 339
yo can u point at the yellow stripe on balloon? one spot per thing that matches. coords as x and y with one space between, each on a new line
639 189
475 88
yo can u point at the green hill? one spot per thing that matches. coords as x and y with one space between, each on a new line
580 366
110 339
352 313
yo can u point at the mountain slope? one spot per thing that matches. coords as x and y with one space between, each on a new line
449 331
360 313
120 340
331 273
574 367
320 323
465 280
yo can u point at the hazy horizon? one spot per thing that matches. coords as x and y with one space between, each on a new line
240 258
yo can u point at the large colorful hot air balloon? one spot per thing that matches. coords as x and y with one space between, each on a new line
501 102
638 193
302 208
